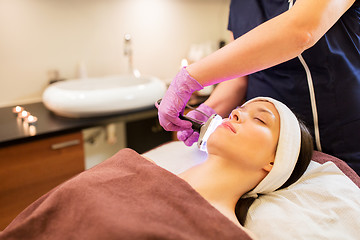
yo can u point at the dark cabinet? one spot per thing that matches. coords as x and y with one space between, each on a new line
145 134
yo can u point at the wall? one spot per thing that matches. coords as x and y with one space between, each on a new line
38 36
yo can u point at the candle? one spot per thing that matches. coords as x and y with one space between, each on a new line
24 114
31 120
16 110
32 130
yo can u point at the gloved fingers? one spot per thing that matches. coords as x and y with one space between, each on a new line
184 134
168 111
206 109
175 99
173 124
188 136
197 116
192 139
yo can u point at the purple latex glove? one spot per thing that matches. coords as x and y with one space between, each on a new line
174 101
189 136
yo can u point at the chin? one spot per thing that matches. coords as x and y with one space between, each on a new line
217 144
214 140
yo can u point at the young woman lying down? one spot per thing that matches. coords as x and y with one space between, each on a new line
259 149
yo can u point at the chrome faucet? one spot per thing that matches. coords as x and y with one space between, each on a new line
129 54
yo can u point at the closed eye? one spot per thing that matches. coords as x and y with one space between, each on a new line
260 120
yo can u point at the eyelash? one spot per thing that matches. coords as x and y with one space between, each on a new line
260 120
236 118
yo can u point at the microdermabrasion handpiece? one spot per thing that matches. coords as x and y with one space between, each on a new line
196 125
205 129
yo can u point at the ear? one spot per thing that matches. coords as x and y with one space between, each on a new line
268 166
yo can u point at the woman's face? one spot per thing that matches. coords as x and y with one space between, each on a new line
249 136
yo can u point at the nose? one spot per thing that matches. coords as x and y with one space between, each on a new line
237 115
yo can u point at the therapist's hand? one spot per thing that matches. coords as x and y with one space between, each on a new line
189 136
174 101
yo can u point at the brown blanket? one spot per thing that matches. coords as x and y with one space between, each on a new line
125 197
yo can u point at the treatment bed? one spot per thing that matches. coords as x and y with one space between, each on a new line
129 197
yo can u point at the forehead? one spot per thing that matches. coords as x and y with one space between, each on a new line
261 104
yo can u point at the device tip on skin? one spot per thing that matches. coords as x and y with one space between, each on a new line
201 127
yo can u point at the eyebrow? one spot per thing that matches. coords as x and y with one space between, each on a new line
261 109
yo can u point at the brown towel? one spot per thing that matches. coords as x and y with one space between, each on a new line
125 197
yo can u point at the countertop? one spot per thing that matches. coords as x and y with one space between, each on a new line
12 130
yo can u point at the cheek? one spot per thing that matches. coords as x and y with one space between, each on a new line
263 142
256 143
259 135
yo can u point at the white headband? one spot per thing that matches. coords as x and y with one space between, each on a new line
287 151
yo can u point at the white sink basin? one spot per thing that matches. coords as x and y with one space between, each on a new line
102 96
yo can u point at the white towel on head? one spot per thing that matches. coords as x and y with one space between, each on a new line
287 151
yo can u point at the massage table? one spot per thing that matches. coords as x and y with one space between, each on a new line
129 197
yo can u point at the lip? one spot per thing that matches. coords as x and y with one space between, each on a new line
229 126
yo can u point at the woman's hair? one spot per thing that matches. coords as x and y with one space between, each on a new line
306 151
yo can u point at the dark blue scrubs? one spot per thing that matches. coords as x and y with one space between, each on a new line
334 64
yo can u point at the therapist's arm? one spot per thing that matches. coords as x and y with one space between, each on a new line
273 42
228 95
